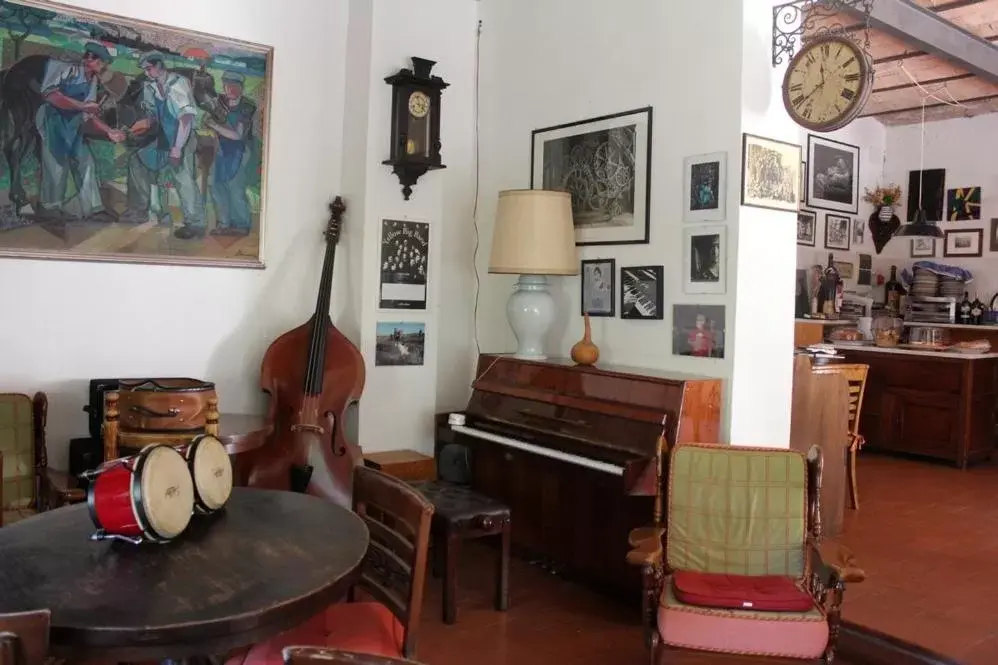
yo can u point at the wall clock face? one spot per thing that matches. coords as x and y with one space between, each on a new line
827 84
419 104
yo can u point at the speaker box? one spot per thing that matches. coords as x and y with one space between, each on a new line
85 454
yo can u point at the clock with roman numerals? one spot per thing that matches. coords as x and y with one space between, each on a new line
827 83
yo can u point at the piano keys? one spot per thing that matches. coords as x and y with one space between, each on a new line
577 453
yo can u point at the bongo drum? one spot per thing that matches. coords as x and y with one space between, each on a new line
211 471
145 497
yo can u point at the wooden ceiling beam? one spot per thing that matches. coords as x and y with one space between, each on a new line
874 114
933 34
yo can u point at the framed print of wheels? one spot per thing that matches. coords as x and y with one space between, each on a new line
827 83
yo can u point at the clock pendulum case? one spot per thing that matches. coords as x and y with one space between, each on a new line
415 147
827 83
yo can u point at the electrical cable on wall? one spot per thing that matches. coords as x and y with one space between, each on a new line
474 214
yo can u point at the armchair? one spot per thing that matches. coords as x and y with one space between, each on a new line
745 512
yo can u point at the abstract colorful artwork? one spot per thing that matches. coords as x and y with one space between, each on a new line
128 141
963 204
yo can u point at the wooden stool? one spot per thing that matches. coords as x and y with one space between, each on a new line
461 514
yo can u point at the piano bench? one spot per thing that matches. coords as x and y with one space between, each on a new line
462 514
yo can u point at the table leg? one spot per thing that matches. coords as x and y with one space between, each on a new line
502 570
450 577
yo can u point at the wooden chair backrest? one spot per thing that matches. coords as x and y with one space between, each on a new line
24 637
394 569
855 374
323 656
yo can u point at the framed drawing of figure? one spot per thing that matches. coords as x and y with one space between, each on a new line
597 287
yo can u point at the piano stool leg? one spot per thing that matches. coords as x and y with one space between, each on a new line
502 570
450 577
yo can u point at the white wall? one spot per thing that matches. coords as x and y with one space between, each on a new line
965 147
72 321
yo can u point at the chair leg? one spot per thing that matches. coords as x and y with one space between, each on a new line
437 555
502 571
853 487
450 578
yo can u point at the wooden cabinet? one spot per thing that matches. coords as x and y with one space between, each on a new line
932 405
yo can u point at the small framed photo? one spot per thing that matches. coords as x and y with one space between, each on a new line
832 175
994 234
859 231
845 268
803 182
704 259
922 248
838 232
964 243
399 343
770 173
706 187
597 287
641 292
698 330
806 223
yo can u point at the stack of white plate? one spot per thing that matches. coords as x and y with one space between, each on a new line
925 285
950 287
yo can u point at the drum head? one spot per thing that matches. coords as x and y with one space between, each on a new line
167 491
212 472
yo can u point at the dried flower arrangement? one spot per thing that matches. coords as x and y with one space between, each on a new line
884 196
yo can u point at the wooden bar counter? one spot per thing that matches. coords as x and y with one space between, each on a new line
929 403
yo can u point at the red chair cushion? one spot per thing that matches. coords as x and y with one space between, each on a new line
768 593
369 628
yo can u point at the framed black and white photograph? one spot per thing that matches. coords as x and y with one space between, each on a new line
770 173
399 343
803 181
838 232
698 330
405 249
923 248
964 243
597 287
865 277
705 185
704 259
641 292
832 175
605 163
807 221
859 231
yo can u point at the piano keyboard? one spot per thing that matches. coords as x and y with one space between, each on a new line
637 290
539 450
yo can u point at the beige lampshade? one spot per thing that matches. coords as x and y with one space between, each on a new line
533 234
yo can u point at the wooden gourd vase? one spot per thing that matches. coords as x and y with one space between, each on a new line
585 352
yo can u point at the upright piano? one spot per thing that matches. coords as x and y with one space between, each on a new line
578 453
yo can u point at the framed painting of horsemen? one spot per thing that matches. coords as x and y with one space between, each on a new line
122 140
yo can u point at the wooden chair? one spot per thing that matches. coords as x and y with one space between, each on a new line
742 511
29 486
855 374
392 573
24 637
320 656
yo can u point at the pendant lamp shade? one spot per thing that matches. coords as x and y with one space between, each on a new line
920 228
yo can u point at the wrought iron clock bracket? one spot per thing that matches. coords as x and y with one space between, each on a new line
409 173
791 20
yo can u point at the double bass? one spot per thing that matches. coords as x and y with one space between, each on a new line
314 376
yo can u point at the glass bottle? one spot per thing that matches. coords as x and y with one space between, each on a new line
893 291
977 312
828 294
963 311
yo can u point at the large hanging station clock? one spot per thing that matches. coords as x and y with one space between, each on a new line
827 83
415 146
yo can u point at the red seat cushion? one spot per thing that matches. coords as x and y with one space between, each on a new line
369 628
769 593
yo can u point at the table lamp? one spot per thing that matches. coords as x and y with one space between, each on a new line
533 237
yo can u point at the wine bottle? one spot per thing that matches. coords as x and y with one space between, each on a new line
964 309
893 291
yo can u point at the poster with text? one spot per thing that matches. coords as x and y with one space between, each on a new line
405 248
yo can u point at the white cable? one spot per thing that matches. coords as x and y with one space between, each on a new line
474 214
930 93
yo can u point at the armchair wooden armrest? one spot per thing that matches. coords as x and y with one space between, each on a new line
839 559
646 546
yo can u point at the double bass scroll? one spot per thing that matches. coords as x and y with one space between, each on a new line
314 376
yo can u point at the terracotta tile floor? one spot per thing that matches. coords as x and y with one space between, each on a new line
925 534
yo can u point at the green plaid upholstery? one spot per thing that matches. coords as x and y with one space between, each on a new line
18 446
739 511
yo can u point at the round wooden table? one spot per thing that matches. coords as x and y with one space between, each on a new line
266 562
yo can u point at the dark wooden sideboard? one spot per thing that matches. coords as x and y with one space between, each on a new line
938 406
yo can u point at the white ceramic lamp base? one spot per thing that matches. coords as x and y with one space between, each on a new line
531 312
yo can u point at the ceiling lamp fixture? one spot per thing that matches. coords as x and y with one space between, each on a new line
921 227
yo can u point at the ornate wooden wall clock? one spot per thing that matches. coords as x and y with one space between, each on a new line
415 145
827 83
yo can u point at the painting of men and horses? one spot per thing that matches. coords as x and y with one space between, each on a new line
128 141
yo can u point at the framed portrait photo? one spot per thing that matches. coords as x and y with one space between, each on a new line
597 287
641 292
605 163
698 330
807 221
832 175
838 232
963 243
770 173
705 187
704 259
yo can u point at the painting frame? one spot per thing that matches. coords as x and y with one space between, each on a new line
691 339
718 213
802 239
263 108
843 219
963 204
975 235
920 253
836 148
657 275
994 235
545 173
608 266
386 356
404 281
716 286
791 202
